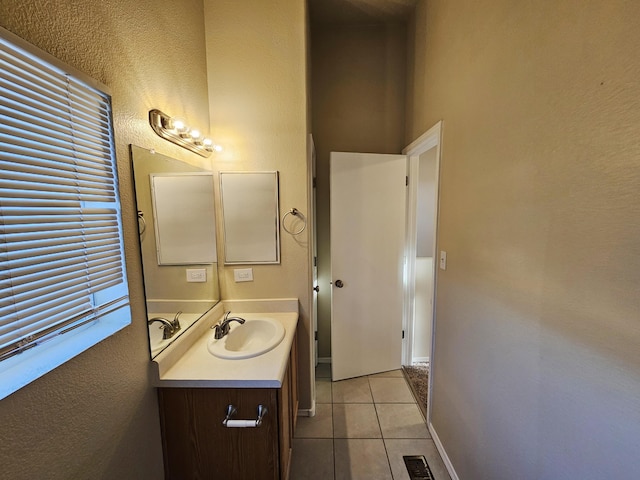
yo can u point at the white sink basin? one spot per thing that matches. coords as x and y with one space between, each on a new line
247 340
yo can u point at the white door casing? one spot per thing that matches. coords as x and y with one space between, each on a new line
368 204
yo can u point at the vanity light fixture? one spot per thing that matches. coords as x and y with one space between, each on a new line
177 131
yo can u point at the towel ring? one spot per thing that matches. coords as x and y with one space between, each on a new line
144 222
296 213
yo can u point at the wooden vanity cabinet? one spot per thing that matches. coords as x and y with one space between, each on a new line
197 445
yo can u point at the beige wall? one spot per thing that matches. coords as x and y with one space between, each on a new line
358 88
258 109
536 368
96 416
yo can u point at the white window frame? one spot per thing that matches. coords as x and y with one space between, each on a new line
83 166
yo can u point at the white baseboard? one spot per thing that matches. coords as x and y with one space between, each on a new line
324 359
308 412
443 453
420 360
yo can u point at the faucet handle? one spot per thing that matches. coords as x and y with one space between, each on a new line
226 315
176 322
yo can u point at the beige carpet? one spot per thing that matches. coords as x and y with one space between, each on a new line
418 377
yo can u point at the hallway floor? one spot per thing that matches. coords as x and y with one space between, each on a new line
362 428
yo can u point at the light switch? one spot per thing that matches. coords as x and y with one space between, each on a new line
243 274
196 275
443 260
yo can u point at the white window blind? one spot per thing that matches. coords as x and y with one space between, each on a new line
61 253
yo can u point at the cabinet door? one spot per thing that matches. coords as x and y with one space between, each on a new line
196 444
293 366
286 428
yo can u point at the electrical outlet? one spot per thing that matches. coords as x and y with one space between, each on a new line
243 275
196 275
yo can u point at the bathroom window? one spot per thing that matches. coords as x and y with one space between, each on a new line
63 283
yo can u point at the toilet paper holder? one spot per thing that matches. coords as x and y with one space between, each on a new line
231 423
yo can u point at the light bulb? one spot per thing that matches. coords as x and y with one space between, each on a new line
217 148
195 134
179 125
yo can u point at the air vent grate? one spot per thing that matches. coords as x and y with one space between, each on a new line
417 467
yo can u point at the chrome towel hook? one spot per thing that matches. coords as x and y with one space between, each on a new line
296 213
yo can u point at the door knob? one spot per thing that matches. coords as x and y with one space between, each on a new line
339 283
316 288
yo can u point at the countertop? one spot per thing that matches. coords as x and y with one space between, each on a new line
196 367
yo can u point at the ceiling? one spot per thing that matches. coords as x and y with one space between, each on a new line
360 11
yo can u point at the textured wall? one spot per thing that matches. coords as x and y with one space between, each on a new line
537 363
96 416
358 88
257 91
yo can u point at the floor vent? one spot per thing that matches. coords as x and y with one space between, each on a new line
417 467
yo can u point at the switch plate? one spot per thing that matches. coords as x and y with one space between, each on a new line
443 260
196 275
243 274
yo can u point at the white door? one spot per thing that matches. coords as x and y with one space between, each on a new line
368 201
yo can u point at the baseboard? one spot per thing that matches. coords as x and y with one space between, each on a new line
420 360
308 412
443 453
324 359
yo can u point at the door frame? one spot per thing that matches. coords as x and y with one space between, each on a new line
432 138
313 253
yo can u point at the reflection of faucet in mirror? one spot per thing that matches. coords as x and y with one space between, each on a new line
175 322
174 281
222 328
168 328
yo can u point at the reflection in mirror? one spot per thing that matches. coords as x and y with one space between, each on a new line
177 241
251 217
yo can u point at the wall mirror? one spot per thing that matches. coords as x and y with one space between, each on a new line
251 217
176 219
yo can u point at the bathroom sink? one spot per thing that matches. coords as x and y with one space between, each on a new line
253 338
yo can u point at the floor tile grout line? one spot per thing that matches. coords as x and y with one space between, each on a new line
384 444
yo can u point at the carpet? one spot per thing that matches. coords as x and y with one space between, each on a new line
418 377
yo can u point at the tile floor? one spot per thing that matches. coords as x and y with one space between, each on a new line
362 428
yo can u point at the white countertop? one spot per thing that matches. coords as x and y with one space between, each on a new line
196 367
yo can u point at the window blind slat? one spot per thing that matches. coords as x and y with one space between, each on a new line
32 153
32 281
18 100
47 86
42 214
25 228
20 124
55 266
10 333
53 133
69 150
35 312
71 255
30 94
15 179
32 311
22 298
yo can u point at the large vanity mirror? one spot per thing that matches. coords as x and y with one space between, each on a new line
176 219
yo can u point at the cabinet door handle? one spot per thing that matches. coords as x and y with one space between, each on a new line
231 411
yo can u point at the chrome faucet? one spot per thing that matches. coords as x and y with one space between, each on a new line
168 328
222 328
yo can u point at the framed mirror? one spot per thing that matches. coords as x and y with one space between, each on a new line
251 217
176 220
